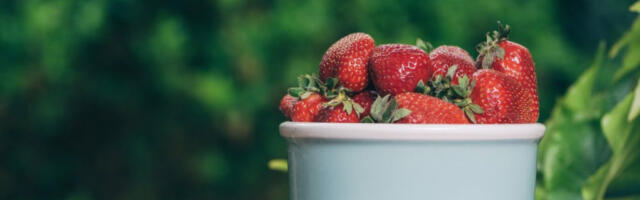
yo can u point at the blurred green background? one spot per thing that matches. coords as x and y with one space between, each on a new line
166 99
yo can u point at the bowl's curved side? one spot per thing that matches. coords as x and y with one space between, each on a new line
430 132
357 169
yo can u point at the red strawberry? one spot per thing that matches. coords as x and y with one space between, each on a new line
501 97
286 104
429 110
365 99
347 60
305 110
397 68
336 114
443 57
514 60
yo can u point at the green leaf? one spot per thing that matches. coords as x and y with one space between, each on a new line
463 81
378 107
400 113
278 165
575 150
458 90
367 119
622 42
295 92
487 61
626 185
579 95
387 116
452 71
631 61
304 95
624 138
470 115
302 81
499 52
331 82
359 109
421 87
635 106
635 7
426 46
476 108
347 106
573 147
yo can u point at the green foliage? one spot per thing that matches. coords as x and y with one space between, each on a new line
573 139
631 40
624 140
589 155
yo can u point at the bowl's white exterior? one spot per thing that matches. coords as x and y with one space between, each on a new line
330 161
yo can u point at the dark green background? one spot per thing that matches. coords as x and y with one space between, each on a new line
178 100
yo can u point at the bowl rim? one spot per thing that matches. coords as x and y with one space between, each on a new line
413 132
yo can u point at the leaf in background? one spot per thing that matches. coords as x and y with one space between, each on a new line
631 38
278 165
626 184
635 7
578 98
624 138
635 106
573 147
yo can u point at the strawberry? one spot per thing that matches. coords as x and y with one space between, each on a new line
286 104
340 108
429 110
397 68
306 109
347 59
336 114
501 97
307 98
415 108
444 57
365 99
458 94
512 59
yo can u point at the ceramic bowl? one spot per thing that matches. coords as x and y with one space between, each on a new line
332 161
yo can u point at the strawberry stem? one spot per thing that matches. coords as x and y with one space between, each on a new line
503 31
385 110
490 49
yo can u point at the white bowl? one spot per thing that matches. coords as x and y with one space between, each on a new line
335 161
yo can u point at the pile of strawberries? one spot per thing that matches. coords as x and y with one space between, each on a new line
399 83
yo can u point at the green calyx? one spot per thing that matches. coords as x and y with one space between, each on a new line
330 89
490 49
385 110
348 105
457 94
426 46
309 84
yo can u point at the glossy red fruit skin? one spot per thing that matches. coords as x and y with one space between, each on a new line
336 115
286 104
397 68
502 98
429 110
305 110
443 57
347 59
517 63
365 99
